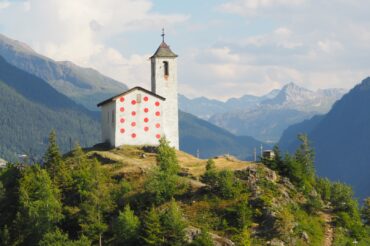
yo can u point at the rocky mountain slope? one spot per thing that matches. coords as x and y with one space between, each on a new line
85 86
341 139
267 120
205 108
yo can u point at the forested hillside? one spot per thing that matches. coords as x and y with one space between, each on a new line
85 86
210 140
341 138
157 196
30 109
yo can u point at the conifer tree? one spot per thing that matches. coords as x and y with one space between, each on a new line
54 163
151 228
167 158
305 156
91 182
163 183
366 211
173 225
58 238
211 165
127 226
40 203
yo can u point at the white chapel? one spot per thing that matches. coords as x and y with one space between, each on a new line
141 117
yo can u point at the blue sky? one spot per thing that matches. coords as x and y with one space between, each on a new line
227 48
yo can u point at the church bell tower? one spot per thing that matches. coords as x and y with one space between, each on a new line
164 83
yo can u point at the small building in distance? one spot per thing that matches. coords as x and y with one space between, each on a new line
141 117
268 154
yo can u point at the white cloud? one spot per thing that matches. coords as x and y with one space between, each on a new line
275 41
247 7
4 4
79 31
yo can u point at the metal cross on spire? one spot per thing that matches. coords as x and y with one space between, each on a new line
163 35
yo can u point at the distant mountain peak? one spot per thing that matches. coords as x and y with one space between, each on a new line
16 45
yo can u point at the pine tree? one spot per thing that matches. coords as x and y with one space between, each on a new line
54 163
167 158
127 226
211 165
91 183
173 225
52 157
151 228
58 238
305 156
40 203
366 211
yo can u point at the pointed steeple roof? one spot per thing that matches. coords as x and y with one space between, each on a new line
164 51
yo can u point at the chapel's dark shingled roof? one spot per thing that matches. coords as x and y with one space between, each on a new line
128 91
164 51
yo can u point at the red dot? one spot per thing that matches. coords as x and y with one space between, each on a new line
122 120
157 113
146 128
122 99
146 99
146 120
157 104
122 109
146 110
157 125
133 124
133 135
122 130
158 136
133 113
133 102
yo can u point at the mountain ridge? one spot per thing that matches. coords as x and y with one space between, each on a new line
84 85
340 138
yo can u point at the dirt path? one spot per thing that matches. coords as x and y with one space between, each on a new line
329 233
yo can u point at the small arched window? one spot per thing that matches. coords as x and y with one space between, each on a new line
166 68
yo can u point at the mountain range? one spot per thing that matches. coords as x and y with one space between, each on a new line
340 139
45 94
265 117
31 108
85 86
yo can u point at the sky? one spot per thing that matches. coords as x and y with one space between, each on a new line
226 48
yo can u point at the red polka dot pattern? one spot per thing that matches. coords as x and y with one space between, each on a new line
139 120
